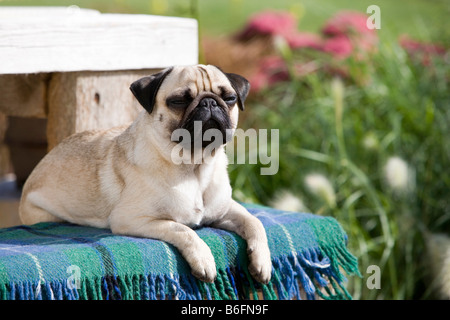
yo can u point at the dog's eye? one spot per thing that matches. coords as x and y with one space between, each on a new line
177 102
230 100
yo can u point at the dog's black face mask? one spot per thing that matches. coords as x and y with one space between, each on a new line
207 119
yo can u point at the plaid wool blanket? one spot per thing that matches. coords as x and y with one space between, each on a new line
67 261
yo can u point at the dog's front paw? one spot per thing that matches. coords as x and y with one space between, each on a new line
203 265
260 263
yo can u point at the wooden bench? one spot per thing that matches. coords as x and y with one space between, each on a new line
73 66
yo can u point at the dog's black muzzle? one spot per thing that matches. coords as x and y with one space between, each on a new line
207 112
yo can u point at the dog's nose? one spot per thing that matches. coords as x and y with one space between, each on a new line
208 102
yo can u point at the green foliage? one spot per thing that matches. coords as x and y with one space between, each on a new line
388 105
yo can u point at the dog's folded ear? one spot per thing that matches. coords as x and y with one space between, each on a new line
241 86
146 88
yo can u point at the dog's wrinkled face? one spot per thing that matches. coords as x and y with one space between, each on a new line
185 97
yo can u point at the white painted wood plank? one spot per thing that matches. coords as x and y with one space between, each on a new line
61 42
11 12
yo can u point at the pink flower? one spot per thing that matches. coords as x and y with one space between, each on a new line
413 46
345 23
421 50
269 23
348 34
278 23
271 70
297 40
340 46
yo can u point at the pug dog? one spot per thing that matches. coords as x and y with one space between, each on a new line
125 178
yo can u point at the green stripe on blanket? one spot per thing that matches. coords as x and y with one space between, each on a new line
66 261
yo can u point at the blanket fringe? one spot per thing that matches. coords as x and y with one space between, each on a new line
306 274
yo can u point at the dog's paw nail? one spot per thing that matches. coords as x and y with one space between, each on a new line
204 275
261 274
204 268
261 266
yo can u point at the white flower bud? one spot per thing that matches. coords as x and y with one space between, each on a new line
370 142
321 187
397 174
438 251
286 201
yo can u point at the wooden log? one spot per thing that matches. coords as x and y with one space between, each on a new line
5 163
27 142
79 101
24 95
